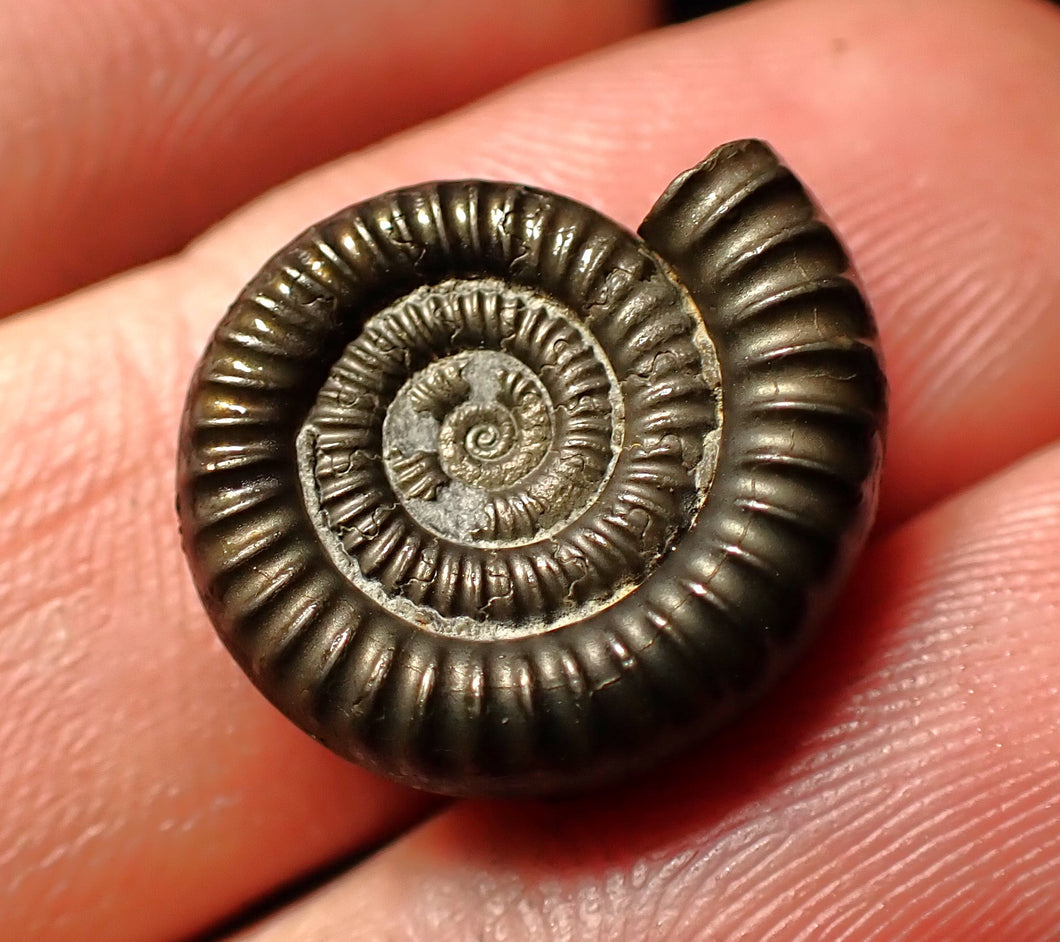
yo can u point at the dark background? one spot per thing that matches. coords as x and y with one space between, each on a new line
688 9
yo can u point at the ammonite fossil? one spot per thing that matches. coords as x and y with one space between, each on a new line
491 495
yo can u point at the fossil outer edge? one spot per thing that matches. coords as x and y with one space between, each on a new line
385 509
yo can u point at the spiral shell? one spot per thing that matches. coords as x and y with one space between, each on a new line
493 496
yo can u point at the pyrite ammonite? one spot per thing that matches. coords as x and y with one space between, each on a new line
493 496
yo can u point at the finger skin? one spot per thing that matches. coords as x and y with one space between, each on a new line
129 126
93 388
904 785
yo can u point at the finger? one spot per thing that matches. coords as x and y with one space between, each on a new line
95 384
903 785
129 127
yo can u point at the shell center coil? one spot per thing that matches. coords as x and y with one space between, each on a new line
463 431
475 456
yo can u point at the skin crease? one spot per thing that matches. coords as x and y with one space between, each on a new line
213 103
907 788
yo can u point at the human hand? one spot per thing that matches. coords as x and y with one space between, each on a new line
903 782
